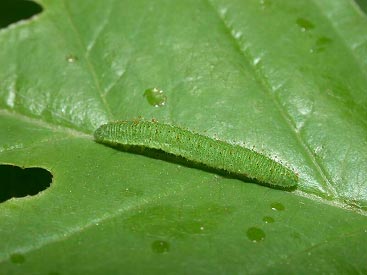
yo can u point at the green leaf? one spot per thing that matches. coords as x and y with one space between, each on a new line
285 77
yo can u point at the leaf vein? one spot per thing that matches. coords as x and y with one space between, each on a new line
88 62
261 79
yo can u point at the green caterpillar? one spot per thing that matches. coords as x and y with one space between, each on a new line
198 148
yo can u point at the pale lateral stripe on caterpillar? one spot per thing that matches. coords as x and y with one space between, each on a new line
198 148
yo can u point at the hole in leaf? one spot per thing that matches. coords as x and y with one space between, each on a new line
16 182
12 11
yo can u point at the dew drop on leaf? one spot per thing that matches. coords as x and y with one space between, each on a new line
305 24
155 97
268 219
71 58
17 258
160 246
255 234
322 43
277 206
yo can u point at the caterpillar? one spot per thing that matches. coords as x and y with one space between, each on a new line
197 148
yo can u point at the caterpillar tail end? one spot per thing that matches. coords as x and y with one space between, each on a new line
290 182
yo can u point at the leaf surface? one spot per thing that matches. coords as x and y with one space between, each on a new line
287 78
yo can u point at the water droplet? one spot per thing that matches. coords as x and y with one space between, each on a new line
71 58
155 97
277 206
305 24
255 234
322 43
323 40
268 219
160 246
17 258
